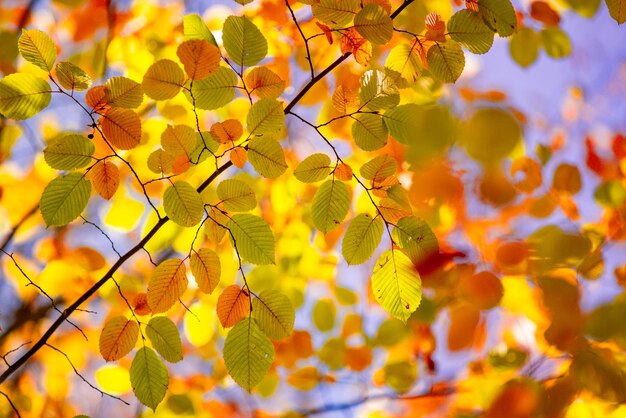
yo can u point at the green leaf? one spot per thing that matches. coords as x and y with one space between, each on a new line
183 204
248 354
617 9
123 92
330 205
243 41
374 24
72 77
165 338
69 152
265 116
402 124
499 15
446 61
369 132
236 195
23 96
267 157
524 46
379 168
214 91
361 239
556 43
397 285
274 314
206 268
179 140
37 48
253 237
148 377
195 28
404 64
167 284
313 168
324 314
64 199
417 239
610 194
336 13
378 91
163 80
468 28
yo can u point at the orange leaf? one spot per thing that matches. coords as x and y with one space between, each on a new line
118 337
358 358
228 131
544 13
96 99
327 31
199 57
105 177
180 164
140 304
122 128
233 305
343 172
345 101
463 325
483 290
265 83
385 4
361 48
239 157
435 28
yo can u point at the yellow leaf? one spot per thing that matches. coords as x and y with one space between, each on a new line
167 284
118 337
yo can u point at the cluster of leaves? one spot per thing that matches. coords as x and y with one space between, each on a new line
385 106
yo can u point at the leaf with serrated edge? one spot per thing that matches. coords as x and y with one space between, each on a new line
118 338
105 177
243 41
248 354
167 285
214 91
233 305
123 92
183 204
64 199
37 48
253 237
361 239
22 96
163 80
236 195
417 239
72 77
206 269
397 285
267 157
313 168
165 338
274 314
69 152
148 377
330 205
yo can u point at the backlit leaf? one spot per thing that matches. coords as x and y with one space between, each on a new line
265 83
379 168
69 152
72 77
148 377
313 168
160 162
266 116
179 140
105 177
378 91
468 28
37 48
446 61
254 238
499 15
233 305
163 80
336 13
183 204
64 199
243 41
199 57
617 9
23 96
397 285
122 128
345 101
123 92
227 131
369 132
165 338
267 157
417 239
374 24
330 205
361 239
195 28
206 269
239 157
236 195
404 63
524 46
248 354
118 337
556 43
214 91
274 314
167 284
